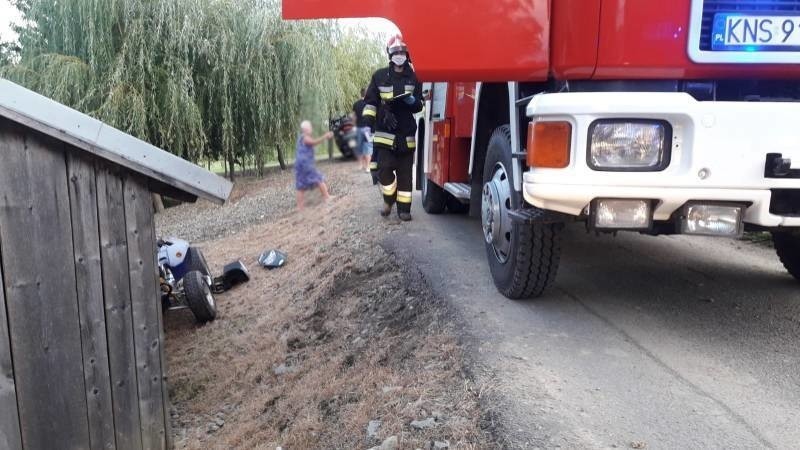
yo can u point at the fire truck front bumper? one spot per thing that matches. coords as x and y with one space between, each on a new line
644 158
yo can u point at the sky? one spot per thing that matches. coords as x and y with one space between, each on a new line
8 15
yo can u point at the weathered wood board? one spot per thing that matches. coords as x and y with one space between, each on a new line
88 272
40 291
142 264
119 316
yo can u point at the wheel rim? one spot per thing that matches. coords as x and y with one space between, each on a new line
209 295
496 200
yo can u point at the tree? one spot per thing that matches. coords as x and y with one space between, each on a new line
228 82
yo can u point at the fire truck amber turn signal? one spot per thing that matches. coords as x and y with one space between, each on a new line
549 144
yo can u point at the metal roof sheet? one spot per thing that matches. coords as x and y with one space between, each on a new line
79 130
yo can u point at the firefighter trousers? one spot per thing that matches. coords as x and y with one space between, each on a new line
395 172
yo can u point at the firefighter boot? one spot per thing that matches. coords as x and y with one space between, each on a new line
404 203
373 168
389 190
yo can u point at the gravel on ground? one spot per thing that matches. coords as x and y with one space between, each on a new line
344 347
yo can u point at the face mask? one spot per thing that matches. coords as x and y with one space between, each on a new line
399 60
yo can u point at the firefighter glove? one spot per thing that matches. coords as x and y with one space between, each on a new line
389 120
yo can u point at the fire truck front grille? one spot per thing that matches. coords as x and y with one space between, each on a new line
711 7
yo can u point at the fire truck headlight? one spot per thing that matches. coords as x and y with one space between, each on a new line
629 145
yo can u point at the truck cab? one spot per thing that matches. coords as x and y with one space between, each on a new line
627 115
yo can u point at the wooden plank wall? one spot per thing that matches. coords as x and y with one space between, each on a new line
40 288
142 264
81 360
9 419
119 319
89 274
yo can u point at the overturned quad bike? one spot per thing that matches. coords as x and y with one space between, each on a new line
186 280
345 134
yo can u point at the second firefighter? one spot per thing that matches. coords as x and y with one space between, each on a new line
393 98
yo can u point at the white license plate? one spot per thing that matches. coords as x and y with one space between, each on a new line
753 33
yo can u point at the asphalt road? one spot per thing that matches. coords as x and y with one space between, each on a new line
667 342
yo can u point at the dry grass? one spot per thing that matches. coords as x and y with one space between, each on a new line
361 335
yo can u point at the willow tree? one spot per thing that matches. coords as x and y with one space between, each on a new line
205 79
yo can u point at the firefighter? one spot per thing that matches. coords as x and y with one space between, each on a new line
393 97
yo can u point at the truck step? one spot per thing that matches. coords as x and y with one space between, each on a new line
460 191
537 216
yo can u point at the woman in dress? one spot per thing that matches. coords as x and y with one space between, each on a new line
307 176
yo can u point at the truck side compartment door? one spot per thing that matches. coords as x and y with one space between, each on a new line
438 159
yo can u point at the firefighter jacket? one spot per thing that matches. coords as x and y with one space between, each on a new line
393 123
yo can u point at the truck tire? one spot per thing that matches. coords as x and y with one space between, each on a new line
199 297
523 258
195 260
434 198
454 205
787 246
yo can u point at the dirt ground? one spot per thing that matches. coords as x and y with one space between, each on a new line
346 337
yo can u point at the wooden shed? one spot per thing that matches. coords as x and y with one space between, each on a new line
81 336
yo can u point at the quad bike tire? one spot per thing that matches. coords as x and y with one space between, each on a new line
523 258
195 260
199 297
787 246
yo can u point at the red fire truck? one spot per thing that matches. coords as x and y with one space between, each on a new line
660 117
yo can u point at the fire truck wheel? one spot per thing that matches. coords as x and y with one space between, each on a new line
523 258
434 198
454 206
787 245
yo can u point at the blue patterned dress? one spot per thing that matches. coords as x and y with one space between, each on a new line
305 173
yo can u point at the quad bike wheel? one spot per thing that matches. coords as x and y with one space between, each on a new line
195 260
199 296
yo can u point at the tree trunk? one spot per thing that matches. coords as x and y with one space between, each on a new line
281 159
158 203
330 144
231 167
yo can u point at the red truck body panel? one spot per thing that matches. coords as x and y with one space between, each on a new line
463 40
463 106
640 39
530 40
440 151
575 31
452 136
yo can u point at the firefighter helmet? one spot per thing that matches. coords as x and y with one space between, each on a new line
396 45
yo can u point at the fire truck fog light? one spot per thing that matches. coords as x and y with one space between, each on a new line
712 220
622 214
629 145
